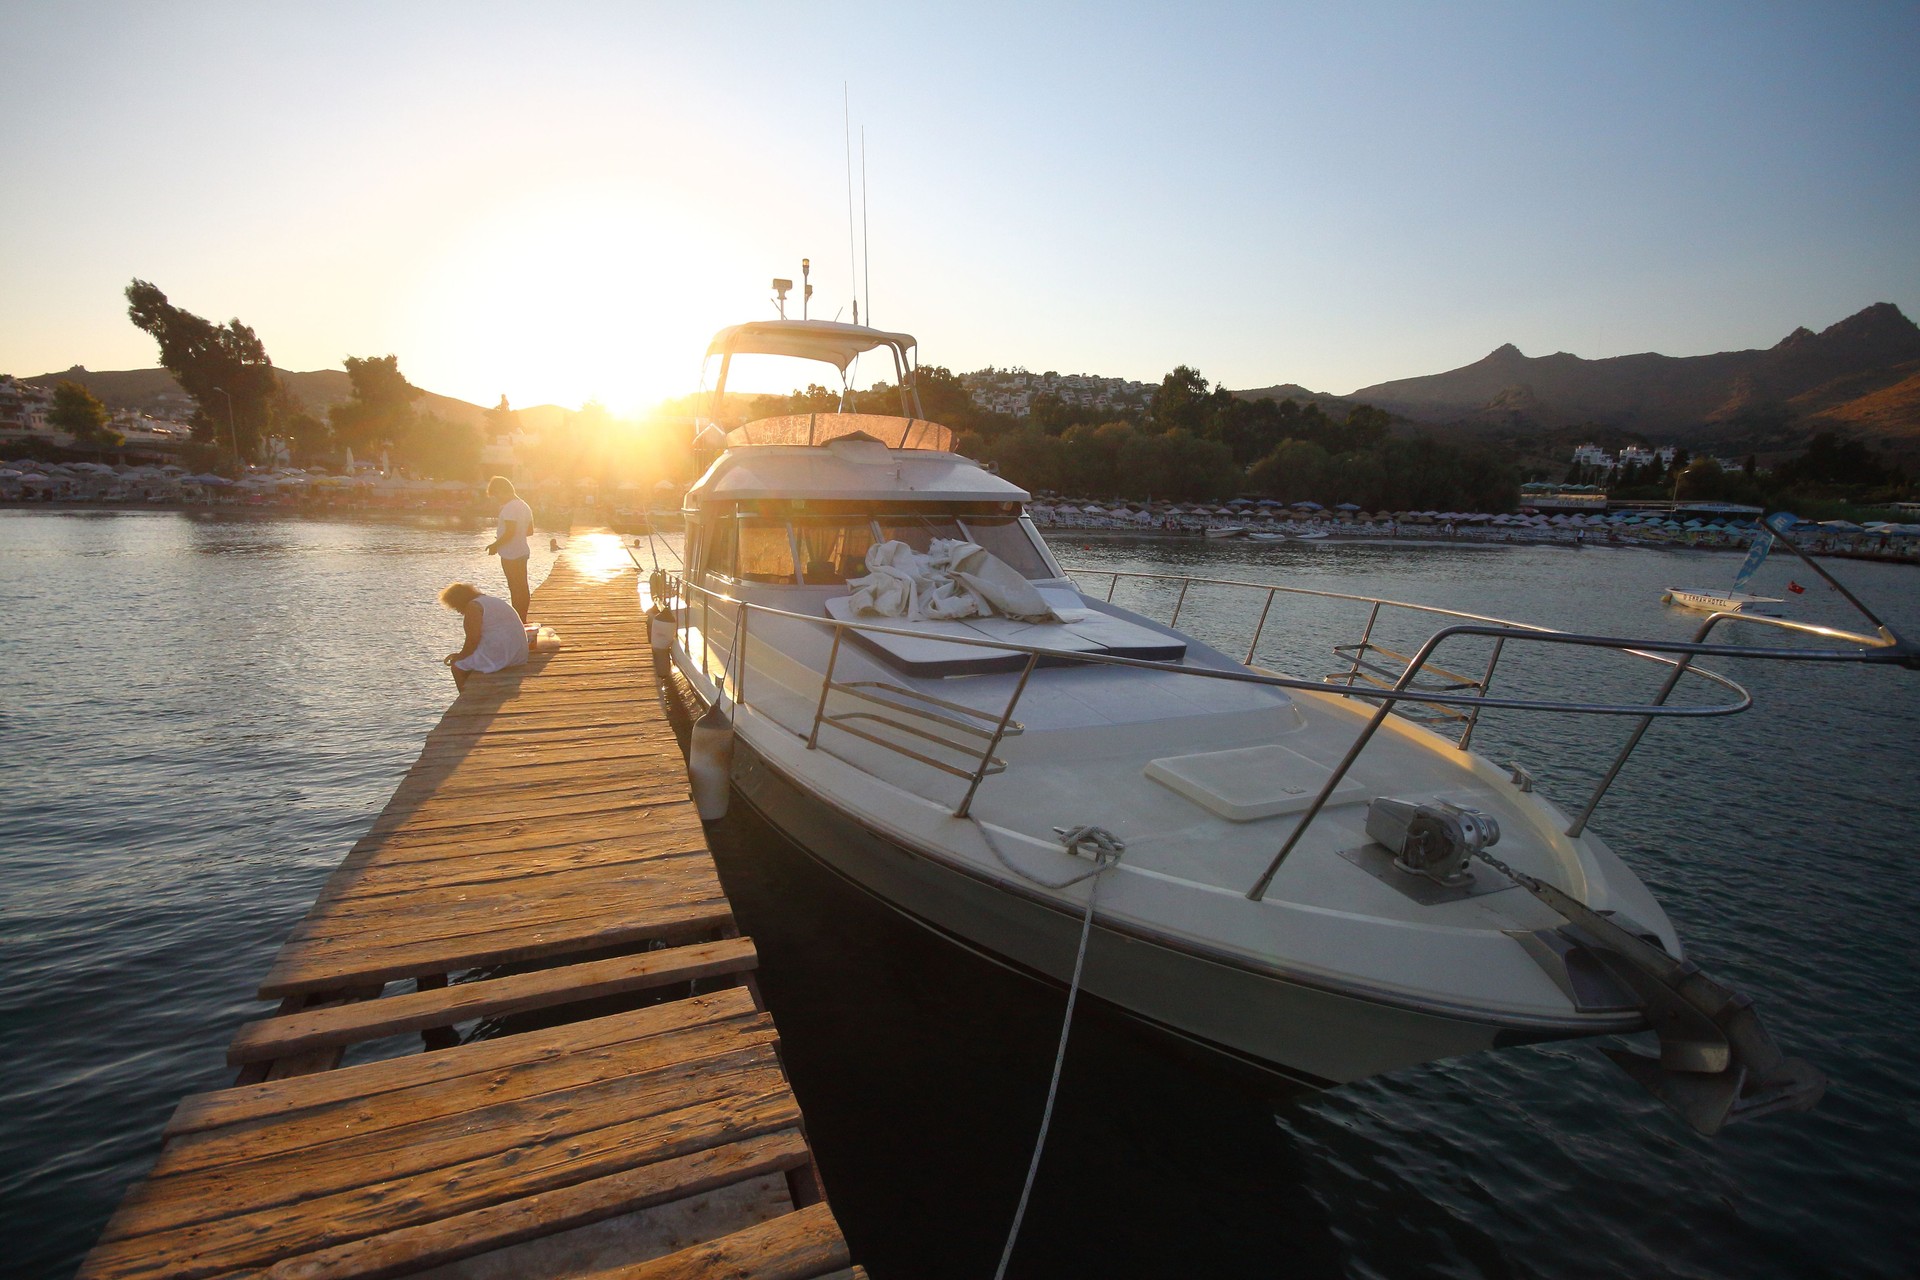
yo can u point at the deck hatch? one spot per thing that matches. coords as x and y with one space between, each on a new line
1249 783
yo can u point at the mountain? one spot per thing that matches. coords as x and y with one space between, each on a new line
1333 406
1862 374
317 390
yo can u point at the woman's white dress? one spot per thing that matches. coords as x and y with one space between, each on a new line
503 637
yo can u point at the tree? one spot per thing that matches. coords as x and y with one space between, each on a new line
224 368
379 414
310 440
1180 403
1832 461
1296 471
440 450
502 420
79 413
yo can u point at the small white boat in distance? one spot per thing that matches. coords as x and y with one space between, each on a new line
1710 601
1230 531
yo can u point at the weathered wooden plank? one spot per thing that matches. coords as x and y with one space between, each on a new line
273 1102
541 1160
310 1135
384 877
450 815
349 1024
794 1246
357 1155
321 966
410 1249
564 753
519 832
687 870
504 790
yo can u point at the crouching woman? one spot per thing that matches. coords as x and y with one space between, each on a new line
496 638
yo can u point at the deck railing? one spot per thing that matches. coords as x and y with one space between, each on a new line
1459 697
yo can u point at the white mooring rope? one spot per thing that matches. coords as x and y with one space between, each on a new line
1106 849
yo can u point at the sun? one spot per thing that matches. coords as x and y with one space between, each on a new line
565 297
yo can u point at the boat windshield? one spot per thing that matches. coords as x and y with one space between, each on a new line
765 553
830 548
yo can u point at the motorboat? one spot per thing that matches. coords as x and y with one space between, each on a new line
1227 531
1320 879
1707 600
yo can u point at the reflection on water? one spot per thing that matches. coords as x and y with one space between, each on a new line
202 713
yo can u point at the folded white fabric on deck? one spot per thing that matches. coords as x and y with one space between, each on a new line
952 579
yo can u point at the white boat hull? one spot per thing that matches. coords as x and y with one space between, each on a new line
1310 1035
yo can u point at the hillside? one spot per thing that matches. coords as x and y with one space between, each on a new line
1860 373
1333 406
317 390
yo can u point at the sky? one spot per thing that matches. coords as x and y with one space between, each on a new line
559 202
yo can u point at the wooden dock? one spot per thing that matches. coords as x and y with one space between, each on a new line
546 828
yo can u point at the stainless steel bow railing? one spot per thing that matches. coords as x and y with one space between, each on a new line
1677 656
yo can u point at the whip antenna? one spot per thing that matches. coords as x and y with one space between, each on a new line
846 127
866 263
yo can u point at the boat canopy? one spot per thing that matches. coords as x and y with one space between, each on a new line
836 344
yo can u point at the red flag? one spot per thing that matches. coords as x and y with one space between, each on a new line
1796 588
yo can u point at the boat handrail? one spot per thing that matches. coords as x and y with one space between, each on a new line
1883 649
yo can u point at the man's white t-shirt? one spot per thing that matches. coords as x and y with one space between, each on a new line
515 548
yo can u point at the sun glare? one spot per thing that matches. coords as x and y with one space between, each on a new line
565 298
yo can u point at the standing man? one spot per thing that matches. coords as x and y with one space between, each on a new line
516 522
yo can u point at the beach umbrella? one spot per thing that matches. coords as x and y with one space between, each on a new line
1308 506
8 473
1347 506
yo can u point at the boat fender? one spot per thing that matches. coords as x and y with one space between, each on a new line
710 764
660 631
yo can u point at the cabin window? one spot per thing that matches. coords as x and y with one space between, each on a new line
716 547
1006 538
919 532
831 551
765 555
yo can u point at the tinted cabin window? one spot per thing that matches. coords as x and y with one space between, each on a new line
831 551
1006 538
919 532
716 547
765 555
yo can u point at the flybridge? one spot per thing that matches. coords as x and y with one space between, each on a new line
825 341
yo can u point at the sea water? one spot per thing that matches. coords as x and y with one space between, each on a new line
201 713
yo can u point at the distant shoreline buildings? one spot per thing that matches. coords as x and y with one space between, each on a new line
23 417
1013 391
